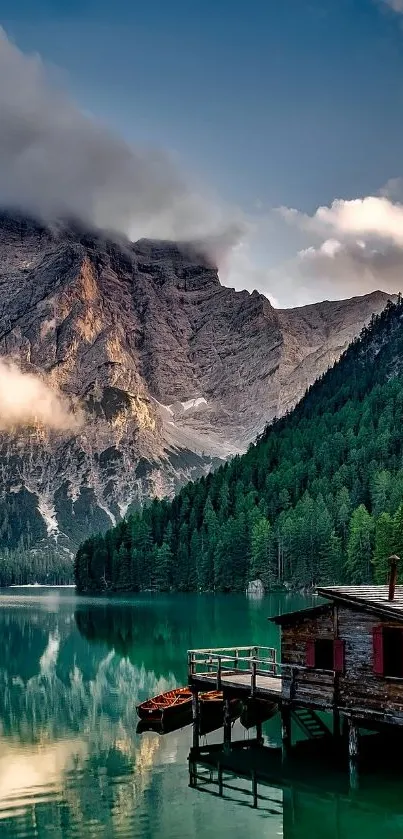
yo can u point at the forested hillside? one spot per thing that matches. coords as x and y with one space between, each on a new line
318 498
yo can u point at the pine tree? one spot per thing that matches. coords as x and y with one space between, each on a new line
163 567
360 547
398 531
124 578
380 491
384 547
260 550
331 561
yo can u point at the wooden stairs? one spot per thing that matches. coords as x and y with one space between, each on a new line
310 723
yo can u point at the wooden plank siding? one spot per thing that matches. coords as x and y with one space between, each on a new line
306 686
295 637
358 690
359 687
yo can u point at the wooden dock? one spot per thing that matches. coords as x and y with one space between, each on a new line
248 673
266 687
244 671
343 657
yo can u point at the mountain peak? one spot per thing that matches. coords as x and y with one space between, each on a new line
186 265
169 369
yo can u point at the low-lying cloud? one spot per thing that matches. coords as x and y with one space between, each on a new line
27 400
353 268
56 162
357 245
374 216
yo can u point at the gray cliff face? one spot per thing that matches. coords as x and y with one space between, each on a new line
172 371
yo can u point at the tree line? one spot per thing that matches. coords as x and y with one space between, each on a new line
316 500
25 565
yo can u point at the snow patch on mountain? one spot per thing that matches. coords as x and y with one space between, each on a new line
190 404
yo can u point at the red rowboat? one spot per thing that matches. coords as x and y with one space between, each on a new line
211 710
173 709
171 703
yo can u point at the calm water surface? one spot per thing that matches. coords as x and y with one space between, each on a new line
71 764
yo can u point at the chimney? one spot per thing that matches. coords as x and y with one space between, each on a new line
393 561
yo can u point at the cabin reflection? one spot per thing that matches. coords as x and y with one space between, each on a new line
305 804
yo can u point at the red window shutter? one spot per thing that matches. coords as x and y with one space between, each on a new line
377 640
338 656
310 654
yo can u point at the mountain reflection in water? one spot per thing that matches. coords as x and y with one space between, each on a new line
71 764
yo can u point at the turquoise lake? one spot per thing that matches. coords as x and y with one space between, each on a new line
72 671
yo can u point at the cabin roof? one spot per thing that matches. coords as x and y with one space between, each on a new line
300 614
368 598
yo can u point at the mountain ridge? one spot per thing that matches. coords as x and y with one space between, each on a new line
173 371
318 499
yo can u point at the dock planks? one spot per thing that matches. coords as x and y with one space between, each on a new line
266 686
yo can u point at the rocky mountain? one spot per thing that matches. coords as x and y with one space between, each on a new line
170 370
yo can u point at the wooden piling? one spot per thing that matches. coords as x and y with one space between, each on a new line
336 724
353 752
196 718
227 724
254 789
259 734
220 779
286 729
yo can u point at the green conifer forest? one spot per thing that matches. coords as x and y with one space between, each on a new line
317 499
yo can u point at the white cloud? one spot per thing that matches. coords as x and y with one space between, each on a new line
241 270
351 268
25 400
374 216
356 246
56 161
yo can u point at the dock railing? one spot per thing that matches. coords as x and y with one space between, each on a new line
226 661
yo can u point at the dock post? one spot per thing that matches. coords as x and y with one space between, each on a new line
336 724
196 718
192 774
259 733
220 780
255 789
227 724
353 752
286 729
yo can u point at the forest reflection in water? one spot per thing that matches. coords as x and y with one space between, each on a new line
71 764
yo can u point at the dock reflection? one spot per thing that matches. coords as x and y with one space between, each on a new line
312 799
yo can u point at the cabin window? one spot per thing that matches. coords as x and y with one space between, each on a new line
325 654
388 651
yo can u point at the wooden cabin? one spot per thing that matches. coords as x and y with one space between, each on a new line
346 655
343 656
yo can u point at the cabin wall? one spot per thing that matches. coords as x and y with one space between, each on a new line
294 637
308 686
359 687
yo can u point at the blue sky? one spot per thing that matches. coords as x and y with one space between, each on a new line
271 103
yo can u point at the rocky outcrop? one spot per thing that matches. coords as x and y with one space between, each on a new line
255 589
172 371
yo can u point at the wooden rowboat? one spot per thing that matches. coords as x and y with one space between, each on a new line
257 711
166 705
215 696
173 709
211 710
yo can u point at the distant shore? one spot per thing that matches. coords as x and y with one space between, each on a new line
42 585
